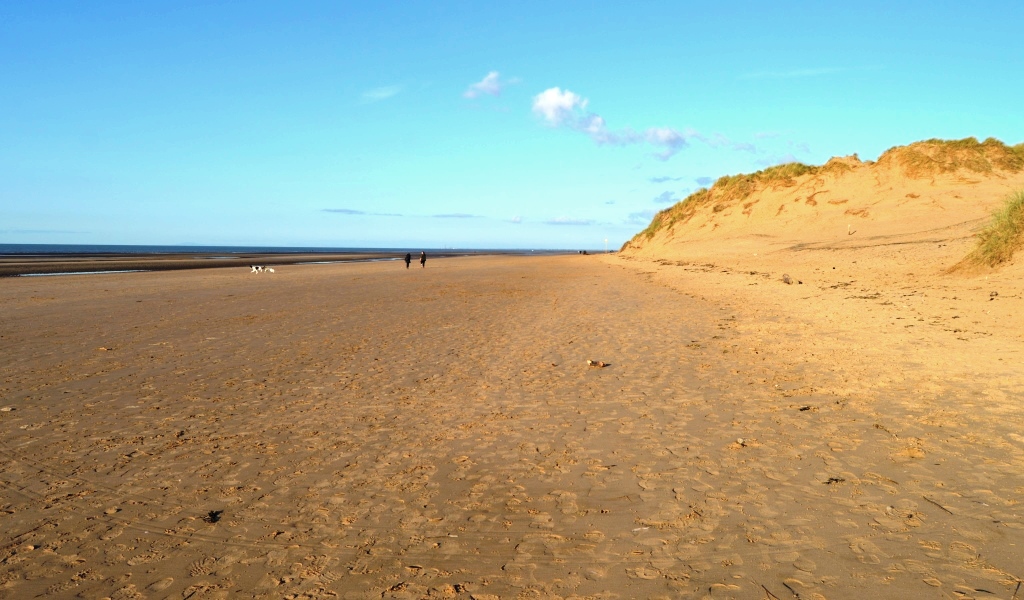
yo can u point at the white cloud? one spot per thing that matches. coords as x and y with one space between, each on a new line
664 135
491 85
567 109
569 221
40 231
564 108
516 219
381 93
558 107
665 198
641 217
351 211
670 140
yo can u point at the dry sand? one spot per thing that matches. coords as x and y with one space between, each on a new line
374 432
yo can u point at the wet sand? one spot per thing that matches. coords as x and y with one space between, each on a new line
367 431
53 264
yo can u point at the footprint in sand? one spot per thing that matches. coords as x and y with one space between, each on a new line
160 585
112 533
203 566
566 502
866 551
643 573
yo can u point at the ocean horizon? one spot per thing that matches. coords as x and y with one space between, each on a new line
24 260
59 249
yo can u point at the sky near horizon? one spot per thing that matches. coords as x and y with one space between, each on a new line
461 124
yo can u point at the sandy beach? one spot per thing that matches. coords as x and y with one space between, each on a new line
511 301
364 431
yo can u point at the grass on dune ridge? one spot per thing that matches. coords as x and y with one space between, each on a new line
917 160
946 156
726 190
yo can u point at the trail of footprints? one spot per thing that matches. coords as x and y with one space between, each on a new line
503 469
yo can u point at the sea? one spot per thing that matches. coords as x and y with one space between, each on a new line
43 260
58 249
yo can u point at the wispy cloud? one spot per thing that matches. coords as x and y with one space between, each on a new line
516 219
567 109
640 217
664 179
704 181
718 140
569 221
771 161
491 85
350 211
670 140
456 216
793 73
40 231
665 198
381 93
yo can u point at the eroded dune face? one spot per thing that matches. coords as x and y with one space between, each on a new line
909 193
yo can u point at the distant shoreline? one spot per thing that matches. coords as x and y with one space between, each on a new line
98 262
7 249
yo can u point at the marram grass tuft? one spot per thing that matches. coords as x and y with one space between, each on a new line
1002 237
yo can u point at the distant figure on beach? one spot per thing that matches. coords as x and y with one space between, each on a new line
408 259
423 259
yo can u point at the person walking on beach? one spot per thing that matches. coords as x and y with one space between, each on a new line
423 260
408 259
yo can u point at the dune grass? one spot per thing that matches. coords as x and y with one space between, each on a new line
946 156
1003 236
920 159
725 191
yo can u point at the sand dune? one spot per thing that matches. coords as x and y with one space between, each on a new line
869 268
919 193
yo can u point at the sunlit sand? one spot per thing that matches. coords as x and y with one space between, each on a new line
364 430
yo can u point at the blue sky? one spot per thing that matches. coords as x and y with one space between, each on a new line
458 124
